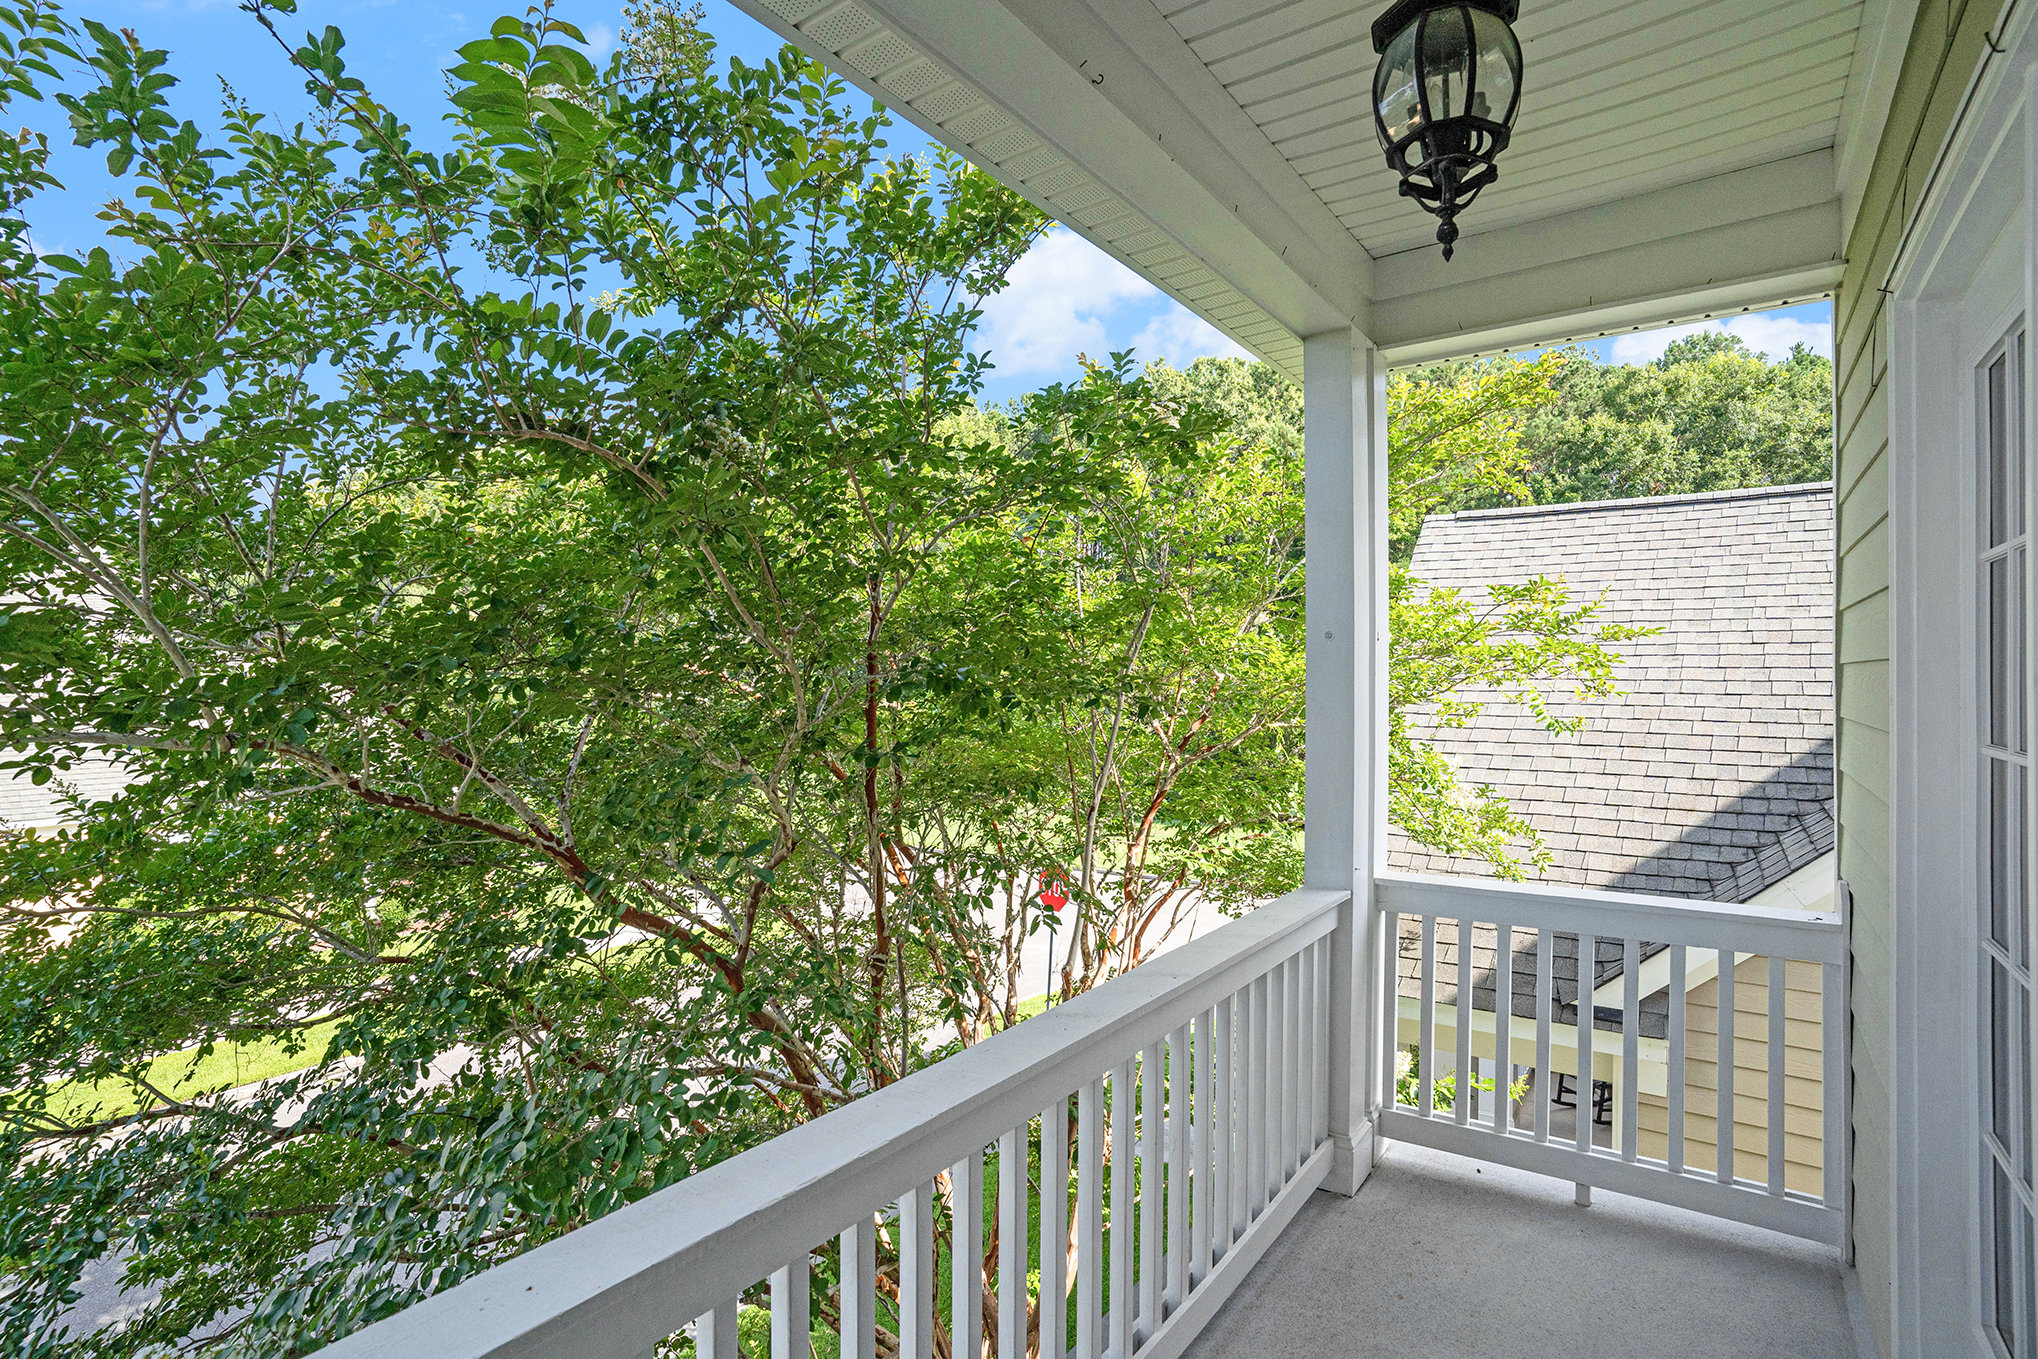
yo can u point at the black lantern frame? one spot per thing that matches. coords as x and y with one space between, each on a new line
1445 157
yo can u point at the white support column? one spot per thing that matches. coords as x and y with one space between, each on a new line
1344 395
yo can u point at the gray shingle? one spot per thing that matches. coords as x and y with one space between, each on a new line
1712 774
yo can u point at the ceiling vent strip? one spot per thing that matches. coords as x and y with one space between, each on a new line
840 27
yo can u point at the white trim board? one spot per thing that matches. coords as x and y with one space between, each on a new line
1965 275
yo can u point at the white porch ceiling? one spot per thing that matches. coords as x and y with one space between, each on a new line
1619 97
1672 158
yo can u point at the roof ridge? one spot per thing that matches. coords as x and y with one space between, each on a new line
1803 488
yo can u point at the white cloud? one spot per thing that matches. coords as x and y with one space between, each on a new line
1765 333
601 40
1055 305
1181 337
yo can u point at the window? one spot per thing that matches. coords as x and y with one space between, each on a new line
2004 978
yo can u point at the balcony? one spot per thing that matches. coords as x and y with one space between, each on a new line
1201 1101
1459 1253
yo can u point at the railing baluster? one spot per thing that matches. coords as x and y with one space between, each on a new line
858 1303
1305 1054
714 1334
966 1258
1291 1066
1386 973
1203 1145
1090 1220
1178 1175
1676 1073
916 1273
1723 1123
1307 1021
1123 1308
1012 1243
1271 1063
1426 1022
1545 992
1230 1186
1320 1082
1461 1106
1151 1227
1054 1235
1833 1084
791 1321
1631 1046
1253 1063
1588 976
1271 1058
1778 1005
1503 1028
1266 1084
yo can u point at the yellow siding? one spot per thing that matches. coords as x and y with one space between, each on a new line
1803 1125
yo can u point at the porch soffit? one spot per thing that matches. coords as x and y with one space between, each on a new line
1673 158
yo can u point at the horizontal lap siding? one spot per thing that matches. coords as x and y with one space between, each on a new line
1803 1093
1945 47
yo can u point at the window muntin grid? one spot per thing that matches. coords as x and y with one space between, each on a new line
2009 1256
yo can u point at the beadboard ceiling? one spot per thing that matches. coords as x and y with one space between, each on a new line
1618 97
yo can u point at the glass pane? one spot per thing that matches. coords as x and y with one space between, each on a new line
2003 1248
2015 647
1998 436
2013 442
2020 1060
2030 1285
1494 90
1394 92
2006 853
2017 870
2002 1050
2001 658
1446 61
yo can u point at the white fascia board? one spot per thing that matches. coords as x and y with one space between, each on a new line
1153 78
1752 238
1879 47
1064 104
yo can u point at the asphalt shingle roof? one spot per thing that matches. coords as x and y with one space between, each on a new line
1711 775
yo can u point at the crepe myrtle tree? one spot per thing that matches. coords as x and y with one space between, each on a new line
525 585
596 688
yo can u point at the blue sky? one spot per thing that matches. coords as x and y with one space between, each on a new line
1066 298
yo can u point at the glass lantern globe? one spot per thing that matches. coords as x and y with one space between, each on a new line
1444 99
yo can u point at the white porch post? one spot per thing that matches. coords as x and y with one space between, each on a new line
1344 396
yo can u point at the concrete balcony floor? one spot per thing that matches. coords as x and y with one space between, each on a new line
1440 1256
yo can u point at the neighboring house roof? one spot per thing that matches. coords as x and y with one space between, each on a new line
1711 775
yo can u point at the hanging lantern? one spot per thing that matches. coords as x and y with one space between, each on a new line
1444 99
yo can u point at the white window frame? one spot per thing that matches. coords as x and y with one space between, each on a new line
1966 276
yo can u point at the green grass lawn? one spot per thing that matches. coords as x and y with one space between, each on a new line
182 1075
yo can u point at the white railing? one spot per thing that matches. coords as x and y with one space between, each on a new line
1201 1090
1667 953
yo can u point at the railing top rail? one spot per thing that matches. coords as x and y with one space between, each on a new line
1773 931
614 1288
